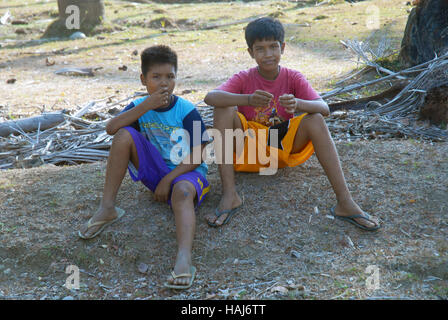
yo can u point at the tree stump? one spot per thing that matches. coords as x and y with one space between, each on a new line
435 107
426 32
91 14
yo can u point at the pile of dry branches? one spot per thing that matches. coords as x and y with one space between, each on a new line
78 140
75 140
398 117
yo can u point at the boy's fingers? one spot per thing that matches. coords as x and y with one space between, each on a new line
264 93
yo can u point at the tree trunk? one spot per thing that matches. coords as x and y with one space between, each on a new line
91 14
426 32
91 11
42 122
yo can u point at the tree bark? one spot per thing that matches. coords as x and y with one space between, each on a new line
42 122
91 11
426 32
91 14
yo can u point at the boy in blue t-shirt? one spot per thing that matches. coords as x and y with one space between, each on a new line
152 139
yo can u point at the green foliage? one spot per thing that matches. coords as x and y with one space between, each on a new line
391 62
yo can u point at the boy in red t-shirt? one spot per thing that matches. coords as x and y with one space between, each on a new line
268 97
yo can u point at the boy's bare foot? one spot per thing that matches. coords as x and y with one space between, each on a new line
182 266
350 208
103 214
228 202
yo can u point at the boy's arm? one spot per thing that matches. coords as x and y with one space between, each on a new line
154 101
163 188
222 99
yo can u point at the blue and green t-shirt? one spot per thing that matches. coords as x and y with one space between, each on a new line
173 130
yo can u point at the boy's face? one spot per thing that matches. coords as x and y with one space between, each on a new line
159 77
267 54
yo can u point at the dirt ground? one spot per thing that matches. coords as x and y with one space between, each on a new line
279 246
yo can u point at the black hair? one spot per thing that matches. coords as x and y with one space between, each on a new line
158 55
264 28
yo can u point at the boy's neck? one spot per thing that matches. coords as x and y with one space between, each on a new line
269 75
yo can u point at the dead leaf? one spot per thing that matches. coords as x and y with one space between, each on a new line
294 253
76 71
49 62
11 81
123 68
18 21
20 31
280 289
143 268
298 287
4 19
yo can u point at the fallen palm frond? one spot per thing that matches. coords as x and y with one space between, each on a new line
75 140
81 137
398 117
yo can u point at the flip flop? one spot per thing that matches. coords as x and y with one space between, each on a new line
218 213
103 224
352 220
175 276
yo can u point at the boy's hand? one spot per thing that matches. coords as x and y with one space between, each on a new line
159 98
162 191
289 102
260 98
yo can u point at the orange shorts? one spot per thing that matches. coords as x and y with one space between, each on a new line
250 162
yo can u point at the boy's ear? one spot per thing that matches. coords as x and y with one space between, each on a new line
282 46
142 79
251 52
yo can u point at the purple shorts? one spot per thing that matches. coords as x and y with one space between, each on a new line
152 168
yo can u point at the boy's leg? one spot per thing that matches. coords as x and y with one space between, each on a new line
122 150
225 118
314 128
182 202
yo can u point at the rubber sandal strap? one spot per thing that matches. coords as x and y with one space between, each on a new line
97 223
220 213
175 276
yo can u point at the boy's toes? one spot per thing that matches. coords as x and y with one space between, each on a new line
183 281
180 281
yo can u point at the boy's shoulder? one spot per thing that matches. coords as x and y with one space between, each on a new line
184 102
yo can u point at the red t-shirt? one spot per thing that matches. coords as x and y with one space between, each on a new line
288 81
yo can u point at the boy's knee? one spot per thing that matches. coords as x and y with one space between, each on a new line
315 120
315 117
183 191
122 136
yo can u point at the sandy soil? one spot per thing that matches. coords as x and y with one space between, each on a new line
277 247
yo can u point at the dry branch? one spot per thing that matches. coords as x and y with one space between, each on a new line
77 139
399 116
42 122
